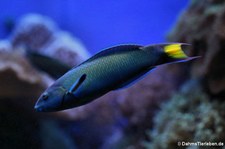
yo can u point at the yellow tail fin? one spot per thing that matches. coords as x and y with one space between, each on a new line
175 51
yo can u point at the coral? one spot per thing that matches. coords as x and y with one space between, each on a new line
22 84
123 116
196 112
189 116
202 25
19 79
5 45
40 34
34 31
66 48
135 102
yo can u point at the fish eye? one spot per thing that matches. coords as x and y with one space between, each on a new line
45 96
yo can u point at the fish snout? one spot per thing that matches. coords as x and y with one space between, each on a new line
38 108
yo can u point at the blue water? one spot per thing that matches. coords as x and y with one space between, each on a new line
102 23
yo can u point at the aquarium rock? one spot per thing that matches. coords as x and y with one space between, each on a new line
18 78
190 116
130 111
196 113
66 48
203 26
5 45
22 83
34 31
41 34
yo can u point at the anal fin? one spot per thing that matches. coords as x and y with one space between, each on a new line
135 79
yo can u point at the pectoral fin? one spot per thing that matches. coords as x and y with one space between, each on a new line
77 83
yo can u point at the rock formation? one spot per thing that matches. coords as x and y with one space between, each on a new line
196 113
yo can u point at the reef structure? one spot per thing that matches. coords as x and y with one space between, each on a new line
196 112
202 25
123 116
22 84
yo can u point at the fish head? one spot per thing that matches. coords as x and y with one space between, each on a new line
51 100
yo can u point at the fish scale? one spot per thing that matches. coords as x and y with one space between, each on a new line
111 69
102 69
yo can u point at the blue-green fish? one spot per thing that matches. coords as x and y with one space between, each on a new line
110 69
52 66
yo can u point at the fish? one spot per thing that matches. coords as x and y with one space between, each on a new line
111 69
54 67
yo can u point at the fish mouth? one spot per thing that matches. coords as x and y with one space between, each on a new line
38 108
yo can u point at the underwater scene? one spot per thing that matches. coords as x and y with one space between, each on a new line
112 74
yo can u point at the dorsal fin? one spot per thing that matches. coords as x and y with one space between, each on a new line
77 83
112 50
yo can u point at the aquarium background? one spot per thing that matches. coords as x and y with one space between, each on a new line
100 24
41 40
